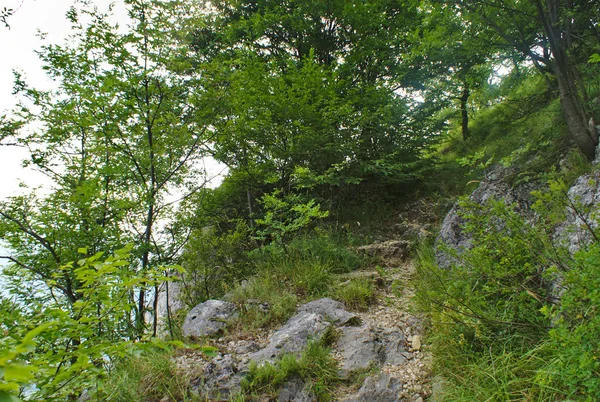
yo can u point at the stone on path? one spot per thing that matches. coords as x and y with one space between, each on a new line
293 336
378 388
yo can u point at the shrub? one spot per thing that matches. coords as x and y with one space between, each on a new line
497 332
213 262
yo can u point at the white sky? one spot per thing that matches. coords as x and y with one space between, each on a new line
17 46
17 52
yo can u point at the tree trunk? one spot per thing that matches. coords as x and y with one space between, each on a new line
570 98
464 112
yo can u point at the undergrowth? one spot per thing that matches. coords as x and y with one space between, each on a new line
150 376
515 316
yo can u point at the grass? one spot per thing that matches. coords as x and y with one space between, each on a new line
316 368
357 294
151 376
263 290
303 271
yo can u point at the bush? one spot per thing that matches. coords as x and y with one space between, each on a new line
213 262
497 334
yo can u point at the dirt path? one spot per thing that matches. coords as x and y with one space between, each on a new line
394 311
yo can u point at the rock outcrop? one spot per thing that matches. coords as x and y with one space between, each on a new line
380 388
494 187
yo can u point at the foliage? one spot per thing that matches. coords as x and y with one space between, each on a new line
15 371
512 319
271 305
115 137
285 215
304 271
213 262
151 375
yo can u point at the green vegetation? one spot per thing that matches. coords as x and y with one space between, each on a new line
150 376
316 368
498 331
357 294
283 277
329 116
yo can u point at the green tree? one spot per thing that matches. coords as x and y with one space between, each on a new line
557 37
117 138
311 85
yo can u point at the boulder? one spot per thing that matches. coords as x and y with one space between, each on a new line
208 318
365 346
358 348
399 249
221 379
584 196
293 336
295 390
378 388
493 187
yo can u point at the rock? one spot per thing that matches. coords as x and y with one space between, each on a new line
585 196
493 187
416 342
332 310
389 249
359 348
208 318
221 379
394 345
380 388
293 336
295 390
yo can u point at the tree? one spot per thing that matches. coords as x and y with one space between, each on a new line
312 85
556 37
117 138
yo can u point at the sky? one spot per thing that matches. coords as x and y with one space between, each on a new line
17 52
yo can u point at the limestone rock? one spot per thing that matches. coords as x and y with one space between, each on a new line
361 347
585 197
331 309
358 348
394 347
293 336
379 388
295 390
221 378
416 342
389 249
208 318
493 187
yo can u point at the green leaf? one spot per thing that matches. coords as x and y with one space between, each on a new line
18 373
6 397
595 58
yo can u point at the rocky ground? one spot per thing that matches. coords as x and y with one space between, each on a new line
384 343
